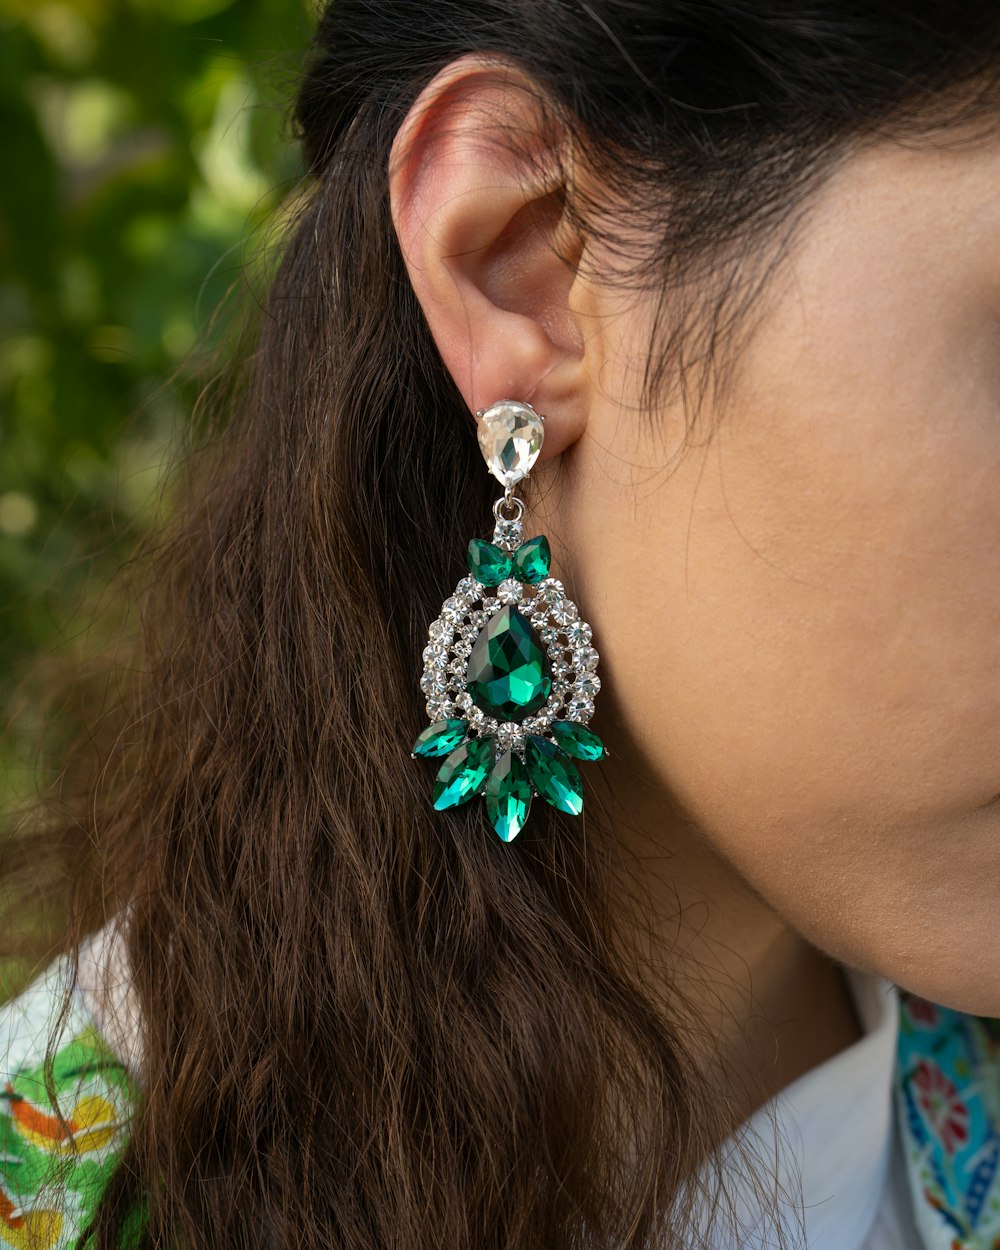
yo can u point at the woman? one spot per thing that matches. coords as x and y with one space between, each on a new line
746 262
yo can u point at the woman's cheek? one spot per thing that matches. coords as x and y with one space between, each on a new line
800 630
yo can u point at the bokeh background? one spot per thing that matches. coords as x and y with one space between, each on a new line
144 155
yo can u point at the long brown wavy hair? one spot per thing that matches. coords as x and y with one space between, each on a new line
367 1024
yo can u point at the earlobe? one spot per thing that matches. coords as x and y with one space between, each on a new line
477 205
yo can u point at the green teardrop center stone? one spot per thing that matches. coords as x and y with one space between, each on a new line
508 673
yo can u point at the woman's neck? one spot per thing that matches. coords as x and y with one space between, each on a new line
768 1005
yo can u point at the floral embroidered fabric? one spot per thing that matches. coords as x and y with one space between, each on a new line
948 1109
56 1159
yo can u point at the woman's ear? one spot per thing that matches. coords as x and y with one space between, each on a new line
477 203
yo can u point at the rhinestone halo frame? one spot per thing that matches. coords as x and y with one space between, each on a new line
567 638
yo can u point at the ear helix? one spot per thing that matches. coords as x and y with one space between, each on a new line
509 667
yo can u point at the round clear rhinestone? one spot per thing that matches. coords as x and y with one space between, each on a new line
491 605
508 534
588 684
564 612
439 631
454 609
509 591
580 709
431 683
585 660
508 734
463 700
578 633
433 653
468 587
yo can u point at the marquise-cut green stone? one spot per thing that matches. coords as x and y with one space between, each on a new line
463 772
441 737
554 776
508 796
508 673
487 563
532 560
577 740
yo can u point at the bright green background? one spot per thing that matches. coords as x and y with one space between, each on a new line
144 149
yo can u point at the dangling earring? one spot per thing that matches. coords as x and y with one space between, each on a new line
509 667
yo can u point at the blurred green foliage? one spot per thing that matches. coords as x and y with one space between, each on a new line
144 149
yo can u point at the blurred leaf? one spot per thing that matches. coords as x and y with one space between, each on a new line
146 158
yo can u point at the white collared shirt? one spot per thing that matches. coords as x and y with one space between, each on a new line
830 1143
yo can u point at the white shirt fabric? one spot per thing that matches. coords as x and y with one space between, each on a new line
830 1141
105 987
827 1146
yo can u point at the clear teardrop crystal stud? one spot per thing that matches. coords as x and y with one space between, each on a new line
510 438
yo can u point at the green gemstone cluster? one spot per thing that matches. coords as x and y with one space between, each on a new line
490 564
507 779
510 685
